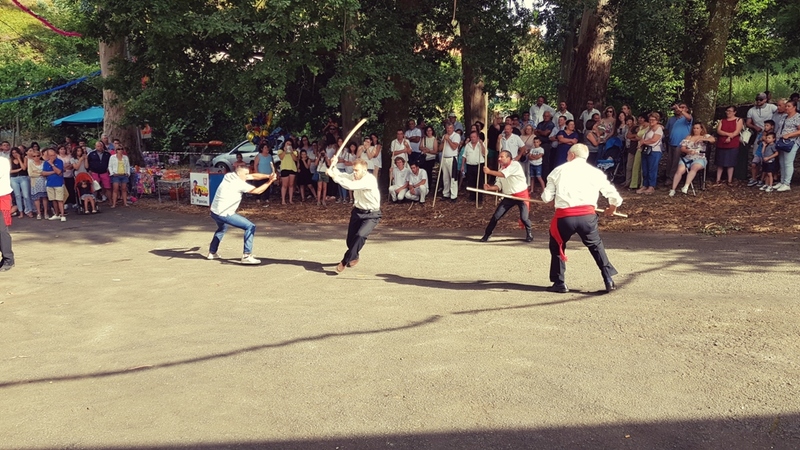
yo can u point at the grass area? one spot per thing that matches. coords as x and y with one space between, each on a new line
743 88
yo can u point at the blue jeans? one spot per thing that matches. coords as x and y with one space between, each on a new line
787 165
650 169
234 220
22 193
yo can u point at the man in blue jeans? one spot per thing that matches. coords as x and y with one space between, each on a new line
226 202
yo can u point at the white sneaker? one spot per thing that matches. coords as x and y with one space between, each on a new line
212 256
784 188
777 185
685 189
63 219
764 187
769 189
53 217
672 192
248 259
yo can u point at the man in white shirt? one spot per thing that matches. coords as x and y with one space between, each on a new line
574 187
510 181
474 158
6 252
400 146
538 109
417 184
587 114
450 142
456 124
226 202
562 111
5 150
413 135
511 142
760 112
398 180
366 209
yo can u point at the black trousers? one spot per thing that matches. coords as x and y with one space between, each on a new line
5 244
473 179
361 225
586 228
505 205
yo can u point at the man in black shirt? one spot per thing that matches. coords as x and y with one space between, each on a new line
98 168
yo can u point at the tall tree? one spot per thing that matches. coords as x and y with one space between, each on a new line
721 13
591 66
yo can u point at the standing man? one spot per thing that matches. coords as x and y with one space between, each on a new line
474 159
450 142
538 109
417 184
5 150
401 148
760 112
413 135
366 208
562 111
98 168
226 202
510 181
587 114
6 253
511 142
53 170
574 187
681 127
526 120
456 124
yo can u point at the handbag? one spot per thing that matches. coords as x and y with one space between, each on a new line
745 135
96 186
647 150
784 145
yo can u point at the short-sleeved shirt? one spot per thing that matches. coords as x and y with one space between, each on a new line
229 195
759 115
416 132
400 177
400 146
790 125
681 128
513 179
54 180
657 146
536 151
448 151
768 151
421 175
512 144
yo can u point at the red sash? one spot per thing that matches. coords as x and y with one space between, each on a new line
566 212
526 196
5 208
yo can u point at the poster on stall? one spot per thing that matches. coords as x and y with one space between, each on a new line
199 189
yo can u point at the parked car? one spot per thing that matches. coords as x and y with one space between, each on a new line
225 161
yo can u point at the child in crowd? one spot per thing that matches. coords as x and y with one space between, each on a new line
758 157
769 156
535 157
86 194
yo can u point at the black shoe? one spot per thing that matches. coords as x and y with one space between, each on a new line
6 266
561 288
452 200
529 237
610 286
485 238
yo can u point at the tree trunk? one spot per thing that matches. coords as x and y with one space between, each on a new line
472 87
712 61
114 115
349 101
592 68
395 116
567 60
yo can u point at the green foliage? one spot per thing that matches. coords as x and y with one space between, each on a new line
538 74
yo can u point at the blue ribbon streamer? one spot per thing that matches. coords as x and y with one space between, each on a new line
57 88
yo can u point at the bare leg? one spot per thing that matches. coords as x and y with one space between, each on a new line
124 194
676 179
692 173
284 188
730 174
291 188
114 190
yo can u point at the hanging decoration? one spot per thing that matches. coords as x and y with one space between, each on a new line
48 91
45 22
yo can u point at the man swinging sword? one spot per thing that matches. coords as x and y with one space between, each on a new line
510 180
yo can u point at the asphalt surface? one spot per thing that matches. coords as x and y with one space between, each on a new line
117 333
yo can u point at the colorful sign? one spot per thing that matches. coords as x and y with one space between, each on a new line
199 189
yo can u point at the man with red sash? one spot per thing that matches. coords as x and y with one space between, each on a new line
510 181
574 187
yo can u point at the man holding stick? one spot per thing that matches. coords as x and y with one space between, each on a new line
510 181
366 207
574 187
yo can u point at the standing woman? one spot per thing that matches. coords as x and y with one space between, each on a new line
20 183
264 164
790 130
429 146
38 182
350 157
727 153
608 124
566 138
593 141
69 174
288 158
636 173
304 176
78 160
652 139
119 167
527 138
377 156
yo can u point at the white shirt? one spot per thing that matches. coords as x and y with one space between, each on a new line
414 179
416 132
586 115
229 195
759 115
513 180
366 194
576 183
536 151
429 141
398 146
558 114
5 177
512 144
474 154
400 177
365 157
537 113
447 150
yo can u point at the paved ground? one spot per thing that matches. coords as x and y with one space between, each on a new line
118 334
